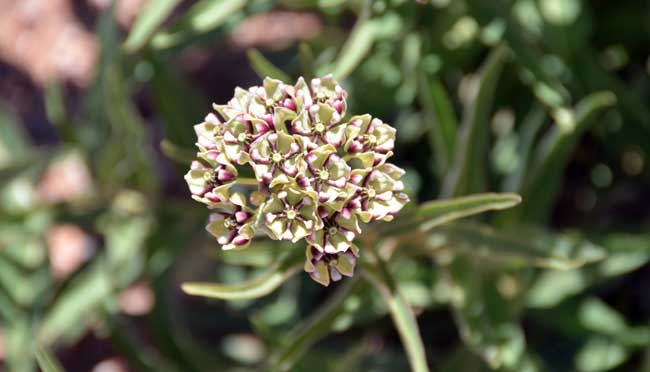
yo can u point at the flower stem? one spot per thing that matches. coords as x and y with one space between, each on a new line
403 317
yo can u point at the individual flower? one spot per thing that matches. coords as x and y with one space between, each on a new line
208 133
338 232
238 134
325 176
378 193
233 228
274 97
366 135
238 105
325 267
319 125
328 90
275 158
291 215
210 178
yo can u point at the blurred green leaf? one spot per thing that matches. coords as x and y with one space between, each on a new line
13 140
356 47
600 354
204 16
84 293
148 21
307 60
486 324
531 126
624 254
304 335
542 181
467 173
524 247
256 287
47 361
263 67
441 119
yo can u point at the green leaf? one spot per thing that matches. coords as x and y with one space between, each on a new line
83 295
401 313
177 153
202 17
257 287
177 103
526 247
467 173
437 212
553 154
600 354
624 254
264 68
356 47
486 323
47 361
149 20
307 60
441 119
317 326
13 139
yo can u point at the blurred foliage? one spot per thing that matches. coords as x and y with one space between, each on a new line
543 98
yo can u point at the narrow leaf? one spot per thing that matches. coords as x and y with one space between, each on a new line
438 212
257 287
263 67
202 17
553 154
317 326
441 120
401 313
47 361
355 48
177 153
468 171
149 20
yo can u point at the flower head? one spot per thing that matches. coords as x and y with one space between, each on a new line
317 176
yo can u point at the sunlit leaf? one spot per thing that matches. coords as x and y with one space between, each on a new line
437 212
600 354
402 315
148 21
256 287
204 16
47 361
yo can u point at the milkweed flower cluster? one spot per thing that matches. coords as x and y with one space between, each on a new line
316 175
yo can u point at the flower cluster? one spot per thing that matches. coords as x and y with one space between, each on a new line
316 175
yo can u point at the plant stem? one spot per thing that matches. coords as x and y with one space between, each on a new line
402 314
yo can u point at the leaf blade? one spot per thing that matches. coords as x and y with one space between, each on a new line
254 288
155 13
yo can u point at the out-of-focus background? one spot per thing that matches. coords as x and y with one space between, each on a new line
548 98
